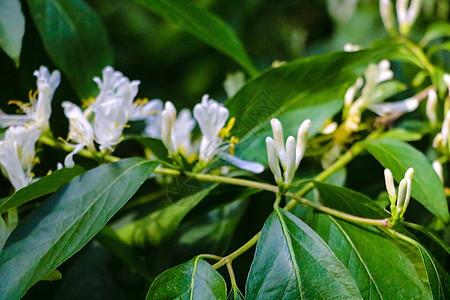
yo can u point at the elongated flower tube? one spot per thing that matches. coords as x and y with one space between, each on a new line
437 167
80 131
289 155
39 111
176 131
211 117
390 187
441 140
17 153
431 106
388 16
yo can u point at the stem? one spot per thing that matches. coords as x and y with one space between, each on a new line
227 259
210 256
428 233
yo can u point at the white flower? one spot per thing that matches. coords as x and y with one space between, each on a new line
431 106
290 155
113 107
388 17
150 112
176 131
400 201
442 138
211 117
80 131
437 167
233 83
17 152
40 109
406 105
406 16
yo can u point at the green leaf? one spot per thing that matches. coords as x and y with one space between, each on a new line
53 276
235 294
309 88
435 31
194 280
426 186
203 25
434 279
12 28
75 39
66 221
155 145
293 262
380 268
402 134
159 225
111 241
44 186
349 201
4 233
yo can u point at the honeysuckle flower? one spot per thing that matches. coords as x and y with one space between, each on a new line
289 155
80 131
211 117
233 83
17 154
431 106
406 16
400 201
38 111
437 167
407 105
150 112
176 131
109 83
388 16
441 140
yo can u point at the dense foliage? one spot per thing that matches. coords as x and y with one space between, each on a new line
110 195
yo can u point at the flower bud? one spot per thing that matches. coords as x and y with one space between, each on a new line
290 160
277 130
301 141
431 106
388 17
272 157
437 166
389 180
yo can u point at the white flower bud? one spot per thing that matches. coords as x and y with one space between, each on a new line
166 132
277 130
446 78
402 194
409 174
301 141
431 106
387 15
437 167
389 181
290 167
272 157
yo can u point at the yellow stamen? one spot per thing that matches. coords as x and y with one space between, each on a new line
49 172
36 160
32 175
225 132
86 102
233 141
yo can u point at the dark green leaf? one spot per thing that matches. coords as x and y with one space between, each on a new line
235 294
426 186
12 28
203 25
193 280
435 31
4 232
433 274
380 268
74 38
310 88
293 262
162 223
66 221
111 241
402 135
155 145
349 201
42 187
53 276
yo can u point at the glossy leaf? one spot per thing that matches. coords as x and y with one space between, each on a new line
349 201
66 221
434 279
380 268
66 29
203 25
309 88
293 262
195 279
44 186
426 186
12 28
162 223
4 233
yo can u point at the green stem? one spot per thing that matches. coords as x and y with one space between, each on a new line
429 234
227 259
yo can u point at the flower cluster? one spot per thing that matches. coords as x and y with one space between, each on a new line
17 150
289 155
399 202
406 15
